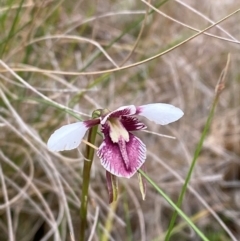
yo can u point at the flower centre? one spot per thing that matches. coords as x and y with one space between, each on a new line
117 130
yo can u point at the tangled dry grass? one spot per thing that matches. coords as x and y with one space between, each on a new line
58 56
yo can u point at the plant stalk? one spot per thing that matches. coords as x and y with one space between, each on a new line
86 179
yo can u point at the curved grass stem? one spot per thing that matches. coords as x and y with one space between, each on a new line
218 90
178 210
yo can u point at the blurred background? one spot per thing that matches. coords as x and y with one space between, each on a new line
51 52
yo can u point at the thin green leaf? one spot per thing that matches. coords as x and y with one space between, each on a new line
178 210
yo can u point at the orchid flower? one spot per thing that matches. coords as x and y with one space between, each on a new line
121 152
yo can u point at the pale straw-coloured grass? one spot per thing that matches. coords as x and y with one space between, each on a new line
62 60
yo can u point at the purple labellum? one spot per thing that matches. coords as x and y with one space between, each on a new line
112 157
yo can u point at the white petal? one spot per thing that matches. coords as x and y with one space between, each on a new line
67 137
160 113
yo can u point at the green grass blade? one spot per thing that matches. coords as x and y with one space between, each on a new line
178 210
11 32
219 87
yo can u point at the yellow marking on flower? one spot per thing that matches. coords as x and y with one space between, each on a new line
117 130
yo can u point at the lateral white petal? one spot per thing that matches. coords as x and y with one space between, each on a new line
67 137
160 113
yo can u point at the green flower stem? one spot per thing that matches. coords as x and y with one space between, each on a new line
86 179
178 210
